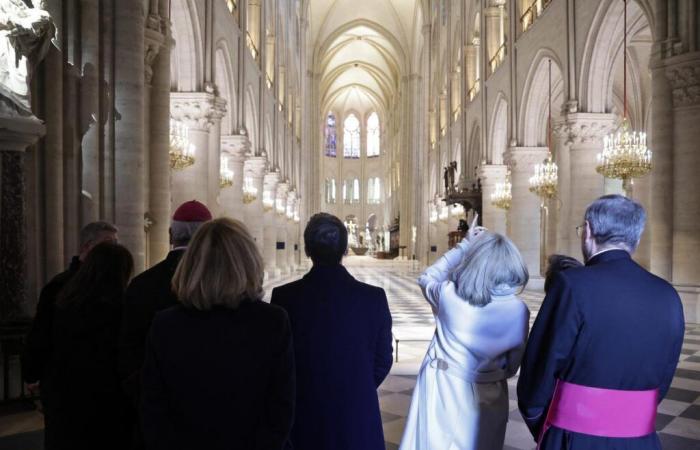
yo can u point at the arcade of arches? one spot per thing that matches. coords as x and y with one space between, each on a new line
353 107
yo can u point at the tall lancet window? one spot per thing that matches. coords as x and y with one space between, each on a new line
330 191
351 137
351 191
374 191
330 135
373 135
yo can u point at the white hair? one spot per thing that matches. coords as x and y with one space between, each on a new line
182 232
616 220
491 263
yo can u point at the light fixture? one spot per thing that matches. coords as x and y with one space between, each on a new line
250 192
457 210
280 206
503 193
433 213
444 213
225 174
625 154
181 150
544 182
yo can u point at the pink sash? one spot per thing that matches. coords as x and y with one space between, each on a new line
601 412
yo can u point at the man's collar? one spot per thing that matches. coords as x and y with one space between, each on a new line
609 254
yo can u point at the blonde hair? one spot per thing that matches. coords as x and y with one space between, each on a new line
221 267
491 262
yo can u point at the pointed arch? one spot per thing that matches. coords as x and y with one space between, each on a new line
498 131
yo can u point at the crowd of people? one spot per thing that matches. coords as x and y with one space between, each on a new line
187 355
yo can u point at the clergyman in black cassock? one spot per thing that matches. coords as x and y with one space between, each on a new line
610 325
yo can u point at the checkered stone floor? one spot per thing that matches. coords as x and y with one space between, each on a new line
678 419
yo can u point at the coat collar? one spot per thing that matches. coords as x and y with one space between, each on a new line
610 255
336 271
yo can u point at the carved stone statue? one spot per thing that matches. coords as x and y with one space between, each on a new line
25 37
446 176
452 172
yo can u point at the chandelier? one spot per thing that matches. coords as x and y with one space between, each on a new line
225 174
250 192
433 213
268 200
444 213
280 206
625 154
503 194
181 150
457 210
544 181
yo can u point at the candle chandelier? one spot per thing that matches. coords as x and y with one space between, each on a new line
181 150
250 192
625 154
544 182
503 194
225 174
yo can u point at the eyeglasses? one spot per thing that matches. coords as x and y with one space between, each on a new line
579 229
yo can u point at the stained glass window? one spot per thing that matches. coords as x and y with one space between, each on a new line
330 135
351 137
373 135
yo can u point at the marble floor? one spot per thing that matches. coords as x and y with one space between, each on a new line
678 419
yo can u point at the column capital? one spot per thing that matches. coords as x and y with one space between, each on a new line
255 166
523 158
19 132
492 173
197 110
583 128
684 77
237 146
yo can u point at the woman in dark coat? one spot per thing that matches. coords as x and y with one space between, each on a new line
219 369
87 404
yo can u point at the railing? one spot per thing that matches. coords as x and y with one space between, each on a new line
373 201
268 81
474 89
498 58
251 46
533 12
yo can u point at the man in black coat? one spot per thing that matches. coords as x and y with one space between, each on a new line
151 292
609 330
37 351
341 330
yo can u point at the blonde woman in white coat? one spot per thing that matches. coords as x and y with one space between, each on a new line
461 396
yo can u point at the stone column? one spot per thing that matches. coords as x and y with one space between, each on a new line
683 74
492 16
289 224
195 110
16 134
254 169
159 146
583 133
213 190
129 148
524 214
270 223
235 147
281 237
470 53
492 217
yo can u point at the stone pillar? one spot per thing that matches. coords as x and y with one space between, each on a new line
195 110
254 169
129 148
158 148
213 189
16 134
524 214
470 53
583 133
492 16
235 147
289 222
492 217
270 223
281 237
683 74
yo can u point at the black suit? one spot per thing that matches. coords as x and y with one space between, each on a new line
218 380
342 342
147 294
610 325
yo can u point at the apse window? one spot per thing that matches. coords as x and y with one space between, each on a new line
351 191
374 191
330 136
373 135
351 137
330 191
